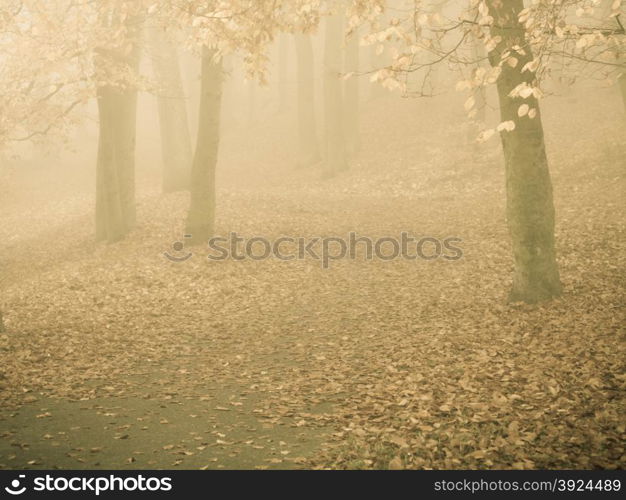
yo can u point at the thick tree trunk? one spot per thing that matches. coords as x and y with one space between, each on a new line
201 218
173 119
307 126
530 207
352 95
336 160
115 171
115 190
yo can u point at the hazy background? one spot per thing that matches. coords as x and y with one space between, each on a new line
115 357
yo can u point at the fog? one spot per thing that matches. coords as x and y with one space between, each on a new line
332 261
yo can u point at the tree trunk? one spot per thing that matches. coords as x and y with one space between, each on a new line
336 160
530 207
352 95
115 171
201 218
173 119
2 329
307 126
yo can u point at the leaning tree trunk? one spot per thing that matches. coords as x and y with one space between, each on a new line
352 95
174 122
530 207
307 127
333 100
201 218
115 171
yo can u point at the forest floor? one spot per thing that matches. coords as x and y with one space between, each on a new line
116 358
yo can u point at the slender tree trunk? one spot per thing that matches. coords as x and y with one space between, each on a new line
115 170
352 95
201 218
191 66
333 100
173 119
2 329
307 126
530 207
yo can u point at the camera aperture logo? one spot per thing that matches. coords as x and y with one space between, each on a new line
16 487
95 485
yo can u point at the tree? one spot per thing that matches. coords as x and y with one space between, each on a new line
201 217
173 120
522 44
336 160
246 27
117 109
352 93
530 207
307 126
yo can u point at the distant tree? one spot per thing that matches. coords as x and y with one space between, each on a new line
117 63
307 123
352 94
336 154
176 146
201 217
243 27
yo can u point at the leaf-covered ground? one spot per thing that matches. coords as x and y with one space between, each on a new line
117 358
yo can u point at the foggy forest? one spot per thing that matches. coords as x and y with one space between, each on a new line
312 234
